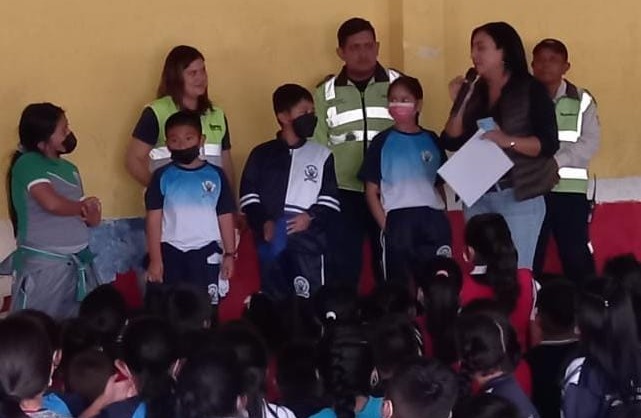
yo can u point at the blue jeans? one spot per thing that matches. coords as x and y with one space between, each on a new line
524 219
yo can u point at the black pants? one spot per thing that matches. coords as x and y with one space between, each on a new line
414 236
291 273
195 267
346 237
567 220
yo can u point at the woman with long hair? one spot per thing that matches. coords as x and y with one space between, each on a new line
183 86
522 122
51 216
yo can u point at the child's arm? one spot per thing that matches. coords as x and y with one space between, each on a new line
250 202
225 208
154 201
226 224
154 233
327 203
372 194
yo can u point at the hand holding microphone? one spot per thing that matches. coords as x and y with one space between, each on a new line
461 89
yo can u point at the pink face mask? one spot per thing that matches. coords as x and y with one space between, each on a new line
402 111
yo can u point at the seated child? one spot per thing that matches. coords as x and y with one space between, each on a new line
422 388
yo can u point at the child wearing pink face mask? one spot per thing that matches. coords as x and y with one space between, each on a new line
402 186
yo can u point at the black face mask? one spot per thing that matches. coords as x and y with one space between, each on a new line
304 125
69 144
185 156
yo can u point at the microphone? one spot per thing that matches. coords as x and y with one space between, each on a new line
470 77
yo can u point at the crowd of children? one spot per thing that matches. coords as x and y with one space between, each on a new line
437 351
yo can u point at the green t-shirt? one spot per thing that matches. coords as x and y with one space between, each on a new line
36 227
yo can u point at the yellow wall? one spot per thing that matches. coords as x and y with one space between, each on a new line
101 62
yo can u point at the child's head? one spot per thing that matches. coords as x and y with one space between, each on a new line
485 405
210 386
421 388
394 341
439 285
607 327
184 136
405 99
336 305
485 345
555 308
627 269
489 243
49 325
148 354
184 75
388 298
345 366
25 364
105 311
296 371
550 61
294 109
88 373
252 358
188 308
264 314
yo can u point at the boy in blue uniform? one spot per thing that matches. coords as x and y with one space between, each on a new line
190 231
288 192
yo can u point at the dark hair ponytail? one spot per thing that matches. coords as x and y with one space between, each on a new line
37 123
149 349
252 358
485 343
441 280
345 365
489 235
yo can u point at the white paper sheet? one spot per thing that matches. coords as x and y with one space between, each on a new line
475 167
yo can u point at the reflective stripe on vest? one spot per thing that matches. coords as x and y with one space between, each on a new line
334 120
330 88
573 173
213 126
351 136
574 135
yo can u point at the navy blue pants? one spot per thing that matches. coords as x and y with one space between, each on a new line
566 219
199 267
291 273
413 236
346 235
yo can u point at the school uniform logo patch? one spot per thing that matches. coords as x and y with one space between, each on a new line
426 156
444 251
208 186
212 289
311 173
301 287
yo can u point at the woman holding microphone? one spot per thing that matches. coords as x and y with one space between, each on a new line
523 125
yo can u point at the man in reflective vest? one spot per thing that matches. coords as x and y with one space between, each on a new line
568 208
352 108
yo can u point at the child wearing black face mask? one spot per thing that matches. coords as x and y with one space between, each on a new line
289 194
50 215
190 231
